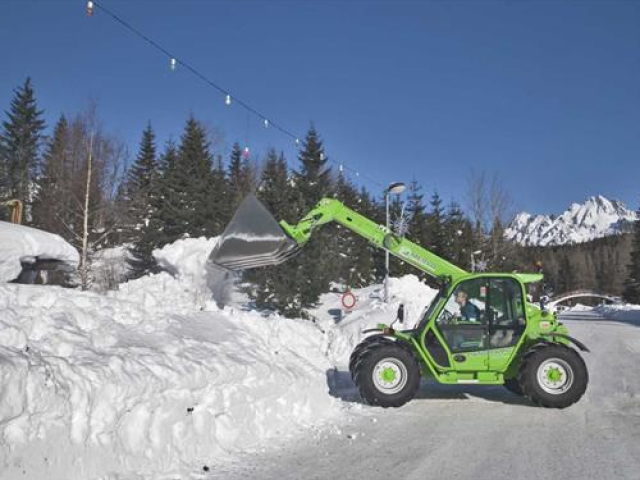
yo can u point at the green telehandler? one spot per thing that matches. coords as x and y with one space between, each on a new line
479 329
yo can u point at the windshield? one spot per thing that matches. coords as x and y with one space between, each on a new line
427 312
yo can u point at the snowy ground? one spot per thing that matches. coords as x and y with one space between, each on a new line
155 381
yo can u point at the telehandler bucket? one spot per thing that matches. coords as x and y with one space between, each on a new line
252 239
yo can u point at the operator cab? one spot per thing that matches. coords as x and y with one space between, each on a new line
479 315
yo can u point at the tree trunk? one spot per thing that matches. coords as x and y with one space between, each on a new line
84 265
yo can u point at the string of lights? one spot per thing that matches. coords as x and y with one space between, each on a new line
229 99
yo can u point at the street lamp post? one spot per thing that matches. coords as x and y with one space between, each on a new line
395 188
473 260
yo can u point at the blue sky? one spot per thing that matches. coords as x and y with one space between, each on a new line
545 93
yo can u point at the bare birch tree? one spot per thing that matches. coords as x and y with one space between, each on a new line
92 164
490 205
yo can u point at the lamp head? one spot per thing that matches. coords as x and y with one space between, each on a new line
396 188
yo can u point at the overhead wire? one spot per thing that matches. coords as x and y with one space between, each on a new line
229 98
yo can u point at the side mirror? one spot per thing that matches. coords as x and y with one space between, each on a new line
444 287
543 303
401 313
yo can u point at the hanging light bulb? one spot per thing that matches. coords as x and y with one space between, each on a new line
89 9
266 123
173 64
227 100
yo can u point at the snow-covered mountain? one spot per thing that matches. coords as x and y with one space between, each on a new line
596 217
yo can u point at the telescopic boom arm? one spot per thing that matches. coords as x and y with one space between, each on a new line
330 210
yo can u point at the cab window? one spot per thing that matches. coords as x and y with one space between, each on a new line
483 314
462 321
505 312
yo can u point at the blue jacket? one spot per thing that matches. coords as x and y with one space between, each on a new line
470 312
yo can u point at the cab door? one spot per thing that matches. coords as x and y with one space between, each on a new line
462 325
505 318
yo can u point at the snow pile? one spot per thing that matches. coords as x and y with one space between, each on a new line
131 389
344 330
186 258
24 244
625 312
109 268
147 382
596 217
156 381
579 307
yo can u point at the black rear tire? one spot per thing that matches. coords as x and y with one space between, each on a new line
554 376
513 386
362 346
387 375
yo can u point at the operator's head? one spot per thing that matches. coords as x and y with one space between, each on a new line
461 298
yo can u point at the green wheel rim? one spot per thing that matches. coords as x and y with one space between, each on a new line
555 376
389 375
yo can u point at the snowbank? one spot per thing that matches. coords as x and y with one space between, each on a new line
23 244
625 312
153 380
187 257
344 329
156 381
130 388
109 268
184 258
579 307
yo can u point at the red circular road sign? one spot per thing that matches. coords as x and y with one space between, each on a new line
348 300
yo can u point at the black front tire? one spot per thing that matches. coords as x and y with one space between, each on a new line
554 376
375 387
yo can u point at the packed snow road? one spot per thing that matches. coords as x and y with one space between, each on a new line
472 432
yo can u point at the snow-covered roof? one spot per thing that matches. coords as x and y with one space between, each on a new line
24 244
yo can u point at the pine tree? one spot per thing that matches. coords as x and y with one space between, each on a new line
188 188
417 214
223 203
369 261
313 181
297 283
196 162
51 203
353 264
275 287
631 291
20 143
436 230
241 176
142 179
459 237
566 274
417 226
171 215
143 192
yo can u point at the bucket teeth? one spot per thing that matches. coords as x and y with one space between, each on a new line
252 239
